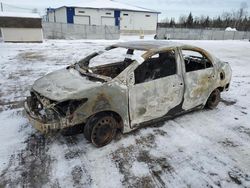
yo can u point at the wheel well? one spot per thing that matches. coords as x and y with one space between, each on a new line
113 114
220 88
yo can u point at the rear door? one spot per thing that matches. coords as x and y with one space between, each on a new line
199 77
158 88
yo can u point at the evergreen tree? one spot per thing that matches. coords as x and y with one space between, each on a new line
190 20
172 23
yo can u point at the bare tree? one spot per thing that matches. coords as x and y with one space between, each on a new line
241 13
182 19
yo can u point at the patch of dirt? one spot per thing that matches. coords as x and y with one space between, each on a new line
10 105
243 129
245 113
30 167
72 154
228 102
156 165
125 157
148 140
31 56
238 177
145 182
20 73
228 143
80 173
120 157
77 174
160 132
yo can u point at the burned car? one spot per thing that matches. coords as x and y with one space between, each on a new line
151 81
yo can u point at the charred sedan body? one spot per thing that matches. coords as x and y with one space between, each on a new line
151 81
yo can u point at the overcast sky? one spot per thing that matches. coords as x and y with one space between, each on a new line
168 8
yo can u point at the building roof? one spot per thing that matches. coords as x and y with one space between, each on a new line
147 45
19 15
108 4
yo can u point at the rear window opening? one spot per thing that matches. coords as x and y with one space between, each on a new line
194 60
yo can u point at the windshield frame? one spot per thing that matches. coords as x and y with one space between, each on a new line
86 70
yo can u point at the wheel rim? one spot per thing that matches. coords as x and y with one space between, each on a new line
103 131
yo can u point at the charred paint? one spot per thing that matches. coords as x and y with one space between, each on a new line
101 103
113 88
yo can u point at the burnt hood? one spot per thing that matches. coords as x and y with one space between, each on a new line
64 84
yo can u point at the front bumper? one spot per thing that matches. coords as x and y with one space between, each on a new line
39 124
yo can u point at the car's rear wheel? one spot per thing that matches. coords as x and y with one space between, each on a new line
100 129
213 99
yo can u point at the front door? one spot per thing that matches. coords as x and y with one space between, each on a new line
158 88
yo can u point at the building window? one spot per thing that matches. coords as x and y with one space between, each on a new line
108 13
125 14
80 11
147 15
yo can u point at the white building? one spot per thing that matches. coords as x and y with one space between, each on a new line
106 12
21 27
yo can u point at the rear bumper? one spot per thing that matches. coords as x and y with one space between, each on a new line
38 124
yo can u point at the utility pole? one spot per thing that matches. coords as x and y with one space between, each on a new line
1 6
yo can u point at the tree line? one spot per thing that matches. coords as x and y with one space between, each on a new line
238 19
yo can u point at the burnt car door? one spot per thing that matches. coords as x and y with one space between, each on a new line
158 87
199 77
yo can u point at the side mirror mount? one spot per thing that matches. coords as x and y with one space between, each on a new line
131 79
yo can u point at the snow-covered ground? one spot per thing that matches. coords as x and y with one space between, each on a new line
208 148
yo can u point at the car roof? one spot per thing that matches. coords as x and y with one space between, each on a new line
147 45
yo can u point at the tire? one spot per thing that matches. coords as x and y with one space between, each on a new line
214 99
77 129
86 131
100 129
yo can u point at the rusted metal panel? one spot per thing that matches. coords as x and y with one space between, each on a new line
198 86
154 99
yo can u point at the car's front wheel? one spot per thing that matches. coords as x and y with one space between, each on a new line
100 129
214 99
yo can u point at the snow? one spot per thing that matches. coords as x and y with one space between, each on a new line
230 29
19 15
207 148
108 4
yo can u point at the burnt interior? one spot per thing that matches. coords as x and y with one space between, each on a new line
112 70
193 63
156 67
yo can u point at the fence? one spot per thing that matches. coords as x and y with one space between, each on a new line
200 34
53 30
